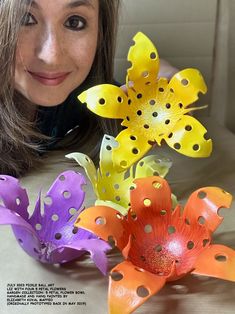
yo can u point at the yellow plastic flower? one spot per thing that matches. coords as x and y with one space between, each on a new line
112 188
152 110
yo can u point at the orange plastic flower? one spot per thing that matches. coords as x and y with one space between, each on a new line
159 244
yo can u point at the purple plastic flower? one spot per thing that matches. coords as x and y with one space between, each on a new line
51 237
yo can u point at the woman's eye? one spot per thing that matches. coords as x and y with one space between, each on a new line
28 19
75 23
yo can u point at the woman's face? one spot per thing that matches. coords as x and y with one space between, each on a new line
56 48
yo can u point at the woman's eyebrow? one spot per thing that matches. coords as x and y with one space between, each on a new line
70 5
78 3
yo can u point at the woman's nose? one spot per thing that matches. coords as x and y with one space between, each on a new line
49 49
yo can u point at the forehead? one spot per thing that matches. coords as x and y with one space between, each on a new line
40 4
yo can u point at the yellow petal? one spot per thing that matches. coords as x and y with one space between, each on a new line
130 286
105 100
152 166
107 145
113 186
187 137
131 147
186 84
145 62
87 164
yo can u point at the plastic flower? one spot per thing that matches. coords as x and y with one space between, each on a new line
159 244
51 237
111 187
152 110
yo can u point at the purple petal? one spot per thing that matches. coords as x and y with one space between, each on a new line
14 196
96 247
10 217
23 231
51 237
66 197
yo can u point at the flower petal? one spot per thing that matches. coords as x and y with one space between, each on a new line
216 261
153 165
14 196
186 84
151 196
107 145
96 247
130 286
62 205
203 206
23 231
130 149
112 185
187 138
105 100
105 222
145 62
122 210
10 217
87 164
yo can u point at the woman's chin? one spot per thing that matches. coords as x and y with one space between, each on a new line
47 101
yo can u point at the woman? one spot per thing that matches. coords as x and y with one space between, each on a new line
50 51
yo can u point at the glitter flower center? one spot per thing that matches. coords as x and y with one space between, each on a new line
166 241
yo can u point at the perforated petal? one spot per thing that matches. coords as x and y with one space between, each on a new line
61 206
203 205
105 222
131 147
216 261
145 62
113 186
24 233
187 84
10 217
107 145
150 196
153 165
87 164
188 138
130 286
17 200
105 100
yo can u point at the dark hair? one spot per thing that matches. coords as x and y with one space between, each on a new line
19 139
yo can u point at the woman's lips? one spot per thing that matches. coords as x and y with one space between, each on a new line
49 79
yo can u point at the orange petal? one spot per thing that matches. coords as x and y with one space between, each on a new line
203 205
130 286
106 223
152 195
216 261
